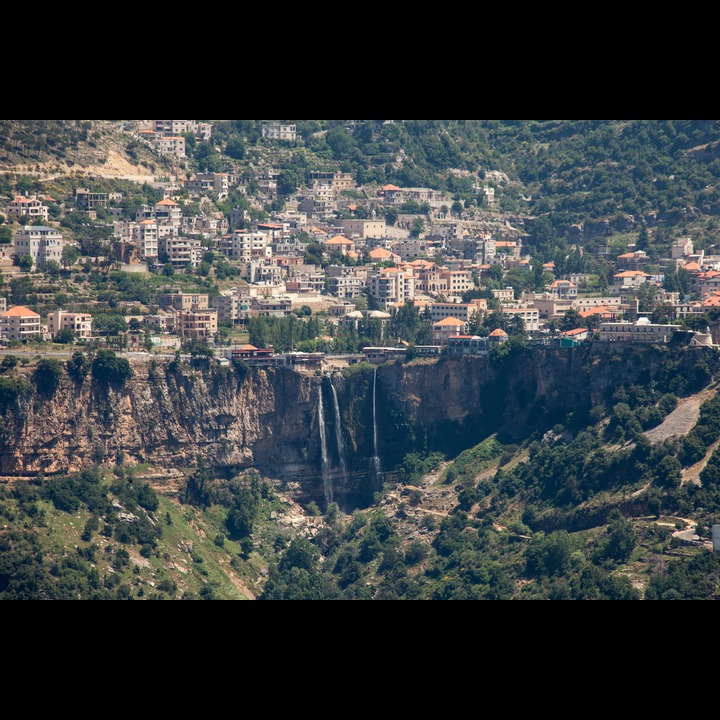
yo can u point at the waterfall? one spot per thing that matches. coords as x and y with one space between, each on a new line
375 460
324 466
338 432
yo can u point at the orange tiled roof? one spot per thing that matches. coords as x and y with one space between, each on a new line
19 311
576 331
338 240
692 266
446 322
166 201
599 310
497 333
631 273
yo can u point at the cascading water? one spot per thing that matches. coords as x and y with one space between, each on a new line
324 464
338 432
375 460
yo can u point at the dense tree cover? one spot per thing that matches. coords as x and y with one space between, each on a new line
110 370
283 333
31 569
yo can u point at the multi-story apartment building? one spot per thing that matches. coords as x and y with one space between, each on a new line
342 281
231 306
587 303
461 311
313 283
456 281
196 324
410 250
640 331
467 345
391 285
632 260
550 306
87 200
145 238
427 275
160 322
204 183
529 315
180 252
170 145
20 323
167 211
271 306
629 280
681 248
79 323
506 294
243 246
184 301
266 271
447 327
24 208
277 131
201 131
336 180
42 243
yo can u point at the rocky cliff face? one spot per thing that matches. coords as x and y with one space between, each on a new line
269 418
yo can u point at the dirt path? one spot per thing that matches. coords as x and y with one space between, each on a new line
692 473
682 419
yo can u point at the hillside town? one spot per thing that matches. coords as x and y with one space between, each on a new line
364 269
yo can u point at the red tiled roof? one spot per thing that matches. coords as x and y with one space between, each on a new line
19 311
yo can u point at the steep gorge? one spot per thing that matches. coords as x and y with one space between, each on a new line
169 414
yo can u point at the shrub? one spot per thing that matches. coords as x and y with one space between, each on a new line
77 367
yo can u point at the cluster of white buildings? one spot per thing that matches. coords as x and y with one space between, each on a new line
393 268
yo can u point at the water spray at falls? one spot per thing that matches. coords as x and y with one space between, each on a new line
338 432
375 460
324 464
